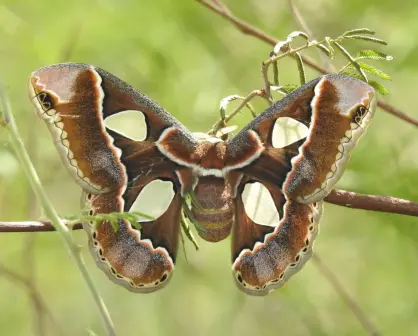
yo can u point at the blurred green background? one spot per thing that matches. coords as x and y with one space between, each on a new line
187 59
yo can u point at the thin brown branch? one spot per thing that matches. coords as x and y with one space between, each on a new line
248 29
373 202
397 112
339 197
32 226
348 300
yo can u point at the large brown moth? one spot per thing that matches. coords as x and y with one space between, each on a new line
113 170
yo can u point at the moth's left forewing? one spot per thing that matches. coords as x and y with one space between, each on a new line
76 99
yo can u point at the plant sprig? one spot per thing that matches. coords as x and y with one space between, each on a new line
356 67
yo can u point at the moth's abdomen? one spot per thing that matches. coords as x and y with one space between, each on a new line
342 109
213 210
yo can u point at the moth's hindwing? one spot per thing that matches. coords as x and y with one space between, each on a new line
142 259
269 261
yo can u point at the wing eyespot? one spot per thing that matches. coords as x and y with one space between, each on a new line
44 100
360 113
239 278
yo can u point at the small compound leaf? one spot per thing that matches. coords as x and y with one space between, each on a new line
288 88
352 60
323 48
367 38
301 69
379 87
377 72
373 54
359 31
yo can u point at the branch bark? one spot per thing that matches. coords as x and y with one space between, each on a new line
339 197
248 29
372 202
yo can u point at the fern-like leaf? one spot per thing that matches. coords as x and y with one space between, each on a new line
373 70
301 69
359 31
379 87
352 60
374 55
323 48
367 38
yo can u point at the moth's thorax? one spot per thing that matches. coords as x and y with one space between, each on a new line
210 155
213 212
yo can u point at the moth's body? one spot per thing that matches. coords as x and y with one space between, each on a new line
76 99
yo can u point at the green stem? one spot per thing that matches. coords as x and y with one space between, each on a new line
32 176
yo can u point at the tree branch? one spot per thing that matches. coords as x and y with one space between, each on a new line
339 197
248 29
34 226
372 202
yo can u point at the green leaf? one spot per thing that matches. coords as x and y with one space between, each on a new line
373 54
352 60
184 221
288 88
359 31
324 49
367 38
353 74
115 224
379 87
302 75
294 34
281 46
327 41
278 89
371 69
275 66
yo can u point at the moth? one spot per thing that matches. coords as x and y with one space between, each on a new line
112 169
